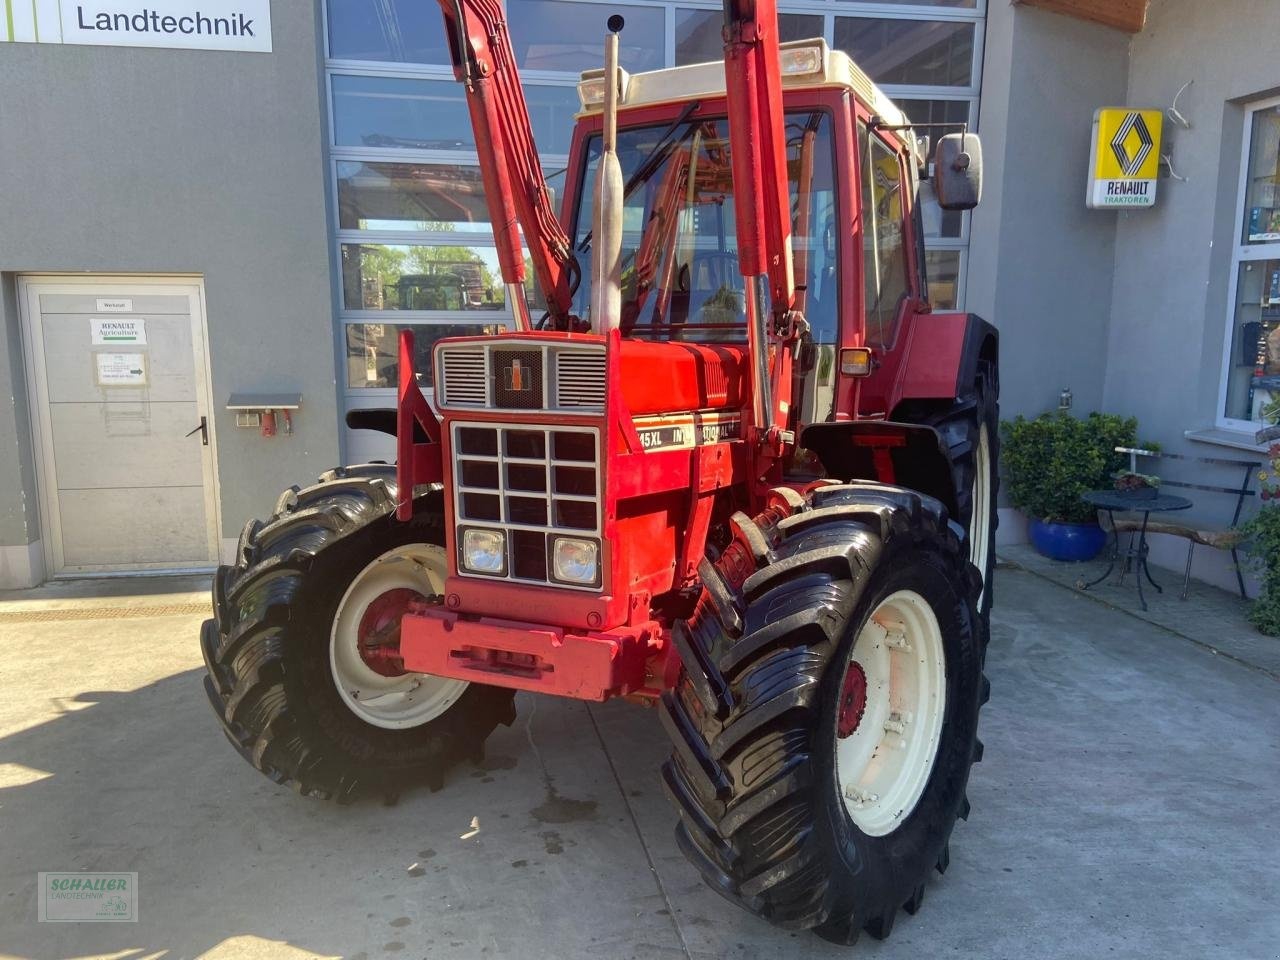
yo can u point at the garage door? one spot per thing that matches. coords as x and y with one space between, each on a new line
122 419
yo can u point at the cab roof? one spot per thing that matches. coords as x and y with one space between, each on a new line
805 64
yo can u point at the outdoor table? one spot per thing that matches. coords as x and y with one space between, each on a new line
1115 500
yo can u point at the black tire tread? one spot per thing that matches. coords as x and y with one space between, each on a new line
255 603
741 716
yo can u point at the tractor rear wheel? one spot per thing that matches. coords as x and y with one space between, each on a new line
825 718
302 653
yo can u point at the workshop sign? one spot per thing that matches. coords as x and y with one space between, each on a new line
240 25
1124 160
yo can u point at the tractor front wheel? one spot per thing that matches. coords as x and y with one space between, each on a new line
825 719
302 656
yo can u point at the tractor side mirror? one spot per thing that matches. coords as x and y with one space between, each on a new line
957 171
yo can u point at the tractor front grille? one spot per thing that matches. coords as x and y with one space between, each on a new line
532 483
521 375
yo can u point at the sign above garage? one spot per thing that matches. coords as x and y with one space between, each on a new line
238 25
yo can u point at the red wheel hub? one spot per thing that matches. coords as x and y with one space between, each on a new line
379 633
853 700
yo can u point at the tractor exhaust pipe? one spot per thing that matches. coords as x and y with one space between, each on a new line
606 272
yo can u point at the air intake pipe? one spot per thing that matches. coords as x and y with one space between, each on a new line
606 272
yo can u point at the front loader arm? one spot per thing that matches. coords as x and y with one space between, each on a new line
753 84
515 188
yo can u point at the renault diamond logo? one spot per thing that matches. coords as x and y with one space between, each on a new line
1121 144
515 378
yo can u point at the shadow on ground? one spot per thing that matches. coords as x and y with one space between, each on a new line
1124 809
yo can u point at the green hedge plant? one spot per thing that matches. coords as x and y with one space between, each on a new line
1262 536
1053 459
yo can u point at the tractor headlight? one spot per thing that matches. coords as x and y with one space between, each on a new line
575 561
485 551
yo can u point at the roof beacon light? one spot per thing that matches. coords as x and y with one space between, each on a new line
801 61
592 86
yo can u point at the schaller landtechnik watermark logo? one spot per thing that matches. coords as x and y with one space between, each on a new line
91 897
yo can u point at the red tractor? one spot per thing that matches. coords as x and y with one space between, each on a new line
739 470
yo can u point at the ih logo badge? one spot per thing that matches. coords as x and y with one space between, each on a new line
517 378
1124 160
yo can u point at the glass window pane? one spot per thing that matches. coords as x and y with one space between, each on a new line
373 350
698 37
404 31
556 35
943 269
937 222
884 255
934 52
969 4
432 114
1254 378
379 276
551 111
1262 188
411 196
391 112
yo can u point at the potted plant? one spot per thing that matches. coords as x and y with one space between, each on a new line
1137 486
1262 536
1051 461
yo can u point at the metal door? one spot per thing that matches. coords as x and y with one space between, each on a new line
121 416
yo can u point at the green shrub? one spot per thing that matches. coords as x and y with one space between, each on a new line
1053 459
1262 540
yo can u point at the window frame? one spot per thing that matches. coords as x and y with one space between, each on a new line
1241 253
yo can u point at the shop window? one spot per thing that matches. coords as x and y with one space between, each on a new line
884 254
401 31
967 4
395 112
381 276
1253 361
929 52
399 113
698 38
569 37
943 270
411 196
373 350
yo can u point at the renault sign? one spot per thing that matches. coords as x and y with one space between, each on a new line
1124 159
243 25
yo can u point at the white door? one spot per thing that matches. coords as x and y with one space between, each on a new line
122 421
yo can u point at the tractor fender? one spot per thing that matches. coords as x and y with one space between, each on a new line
981 342
907 454
942 354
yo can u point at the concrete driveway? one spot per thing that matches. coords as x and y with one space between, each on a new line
1126 808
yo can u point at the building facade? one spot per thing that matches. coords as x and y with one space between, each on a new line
197 234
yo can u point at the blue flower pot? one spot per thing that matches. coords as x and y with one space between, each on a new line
1072 542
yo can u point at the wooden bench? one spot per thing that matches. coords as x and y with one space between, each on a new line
1208 535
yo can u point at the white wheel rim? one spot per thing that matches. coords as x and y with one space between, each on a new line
882 767
980 514
408 700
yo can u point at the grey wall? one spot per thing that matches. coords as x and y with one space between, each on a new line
1172 263
182 161
1040 263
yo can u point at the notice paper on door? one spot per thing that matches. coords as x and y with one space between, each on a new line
118 331
121 369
